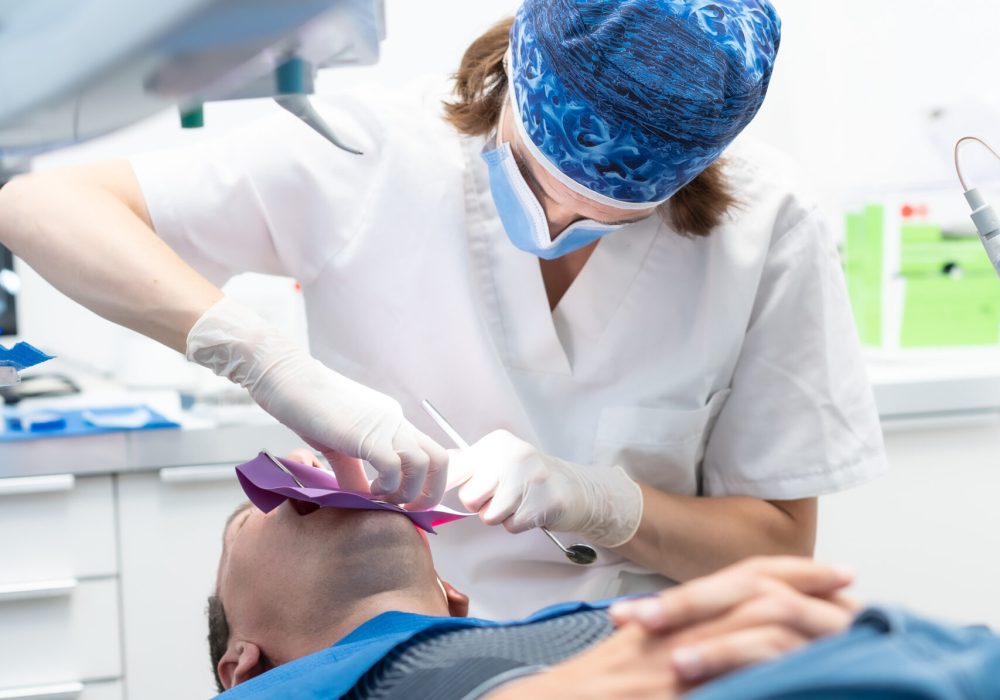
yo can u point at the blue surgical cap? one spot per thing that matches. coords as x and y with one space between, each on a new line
632 99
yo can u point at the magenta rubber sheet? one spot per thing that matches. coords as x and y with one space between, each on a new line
268 487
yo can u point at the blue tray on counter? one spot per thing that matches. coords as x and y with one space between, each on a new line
75 423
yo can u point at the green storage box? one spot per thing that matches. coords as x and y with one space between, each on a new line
912 286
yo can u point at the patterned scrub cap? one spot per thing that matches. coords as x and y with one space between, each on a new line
627 101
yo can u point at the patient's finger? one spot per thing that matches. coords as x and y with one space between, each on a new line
801 573
845 602
712 595
811 617
806 615
716 657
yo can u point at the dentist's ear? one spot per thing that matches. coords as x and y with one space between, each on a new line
241 662
458 602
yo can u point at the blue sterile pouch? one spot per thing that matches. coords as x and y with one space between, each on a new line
22 356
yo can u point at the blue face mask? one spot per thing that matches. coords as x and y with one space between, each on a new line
523 217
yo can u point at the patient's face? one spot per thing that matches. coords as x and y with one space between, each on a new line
280 569
293 584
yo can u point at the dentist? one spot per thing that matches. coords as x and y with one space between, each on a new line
641 326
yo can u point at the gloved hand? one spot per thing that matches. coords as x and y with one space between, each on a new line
514 484
339 417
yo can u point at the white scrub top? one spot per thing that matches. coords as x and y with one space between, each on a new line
720 366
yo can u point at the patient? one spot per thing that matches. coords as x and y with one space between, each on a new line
291 585
346 603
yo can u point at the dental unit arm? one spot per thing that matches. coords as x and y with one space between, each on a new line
71 70
984 216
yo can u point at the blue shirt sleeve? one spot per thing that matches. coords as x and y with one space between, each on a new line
887 653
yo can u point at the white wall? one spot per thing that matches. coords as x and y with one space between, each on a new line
851 99
857 81
927 536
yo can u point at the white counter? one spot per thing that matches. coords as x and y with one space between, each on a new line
937 389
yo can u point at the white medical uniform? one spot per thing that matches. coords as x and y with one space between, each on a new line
726 365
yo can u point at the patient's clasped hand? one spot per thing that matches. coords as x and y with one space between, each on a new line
345 602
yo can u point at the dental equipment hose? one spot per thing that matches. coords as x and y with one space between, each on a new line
984 216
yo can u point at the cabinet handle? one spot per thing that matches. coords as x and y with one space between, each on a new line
193 475
60 691
36 484
55 588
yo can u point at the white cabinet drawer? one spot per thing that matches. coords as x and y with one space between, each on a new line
106 690
60 635
171 525
56 527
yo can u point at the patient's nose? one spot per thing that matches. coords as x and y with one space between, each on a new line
303 507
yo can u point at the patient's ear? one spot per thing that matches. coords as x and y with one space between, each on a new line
458 602
241 662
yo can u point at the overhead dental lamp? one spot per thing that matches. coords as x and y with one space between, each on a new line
72 70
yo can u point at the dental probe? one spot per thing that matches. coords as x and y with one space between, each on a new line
582 554
283 468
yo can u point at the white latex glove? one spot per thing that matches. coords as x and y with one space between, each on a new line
341 418
515 485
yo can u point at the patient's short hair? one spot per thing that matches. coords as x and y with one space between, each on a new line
218 636
218 625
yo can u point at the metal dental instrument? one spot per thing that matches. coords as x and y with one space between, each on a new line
283 468
582 554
